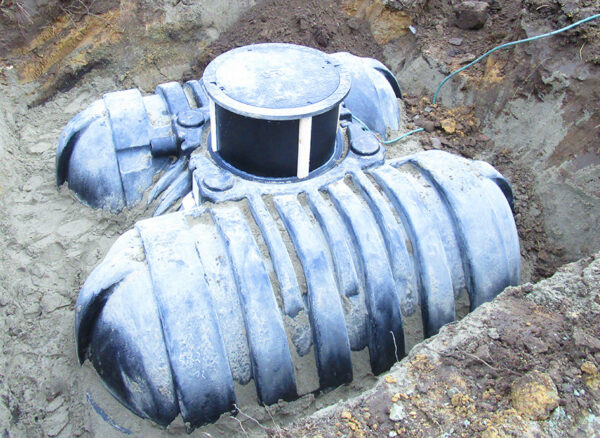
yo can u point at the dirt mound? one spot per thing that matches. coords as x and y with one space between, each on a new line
532 111
319 24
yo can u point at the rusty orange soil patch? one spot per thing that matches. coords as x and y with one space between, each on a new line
386 23
62 39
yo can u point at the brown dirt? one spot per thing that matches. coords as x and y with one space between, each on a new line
314 23
138 41
524 72
465 381
24 20
459 131
458 383
507 21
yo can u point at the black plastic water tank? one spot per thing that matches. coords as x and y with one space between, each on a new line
275 108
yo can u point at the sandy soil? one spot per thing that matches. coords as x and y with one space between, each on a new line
533 112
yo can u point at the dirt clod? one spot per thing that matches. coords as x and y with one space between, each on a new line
471 15
449 126
534 395
397 412
589 368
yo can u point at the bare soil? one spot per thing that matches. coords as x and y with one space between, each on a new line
549 89
464 381
532 111
314 23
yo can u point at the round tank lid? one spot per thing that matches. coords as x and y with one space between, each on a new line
276 81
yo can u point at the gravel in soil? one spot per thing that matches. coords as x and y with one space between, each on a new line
459 130
525 365
549 89
464 380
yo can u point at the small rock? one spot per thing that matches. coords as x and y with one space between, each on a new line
460 399
427 125
54 389
591 375
55 404
566 387
471 15
534 395
436 143
455 41
40 147
397 412
493 334
453 391
535 345
347 415
56 422
453 51
588 368
321 37
422 388
354 23
487 407
302 23
390 379
558 417
449 126
466 58
583 339
557 80
483 351
583 75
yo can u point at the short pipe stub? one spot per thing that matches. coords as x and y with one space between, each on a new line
275 108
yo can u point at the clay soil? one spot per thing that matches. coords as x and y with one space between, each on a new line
532 111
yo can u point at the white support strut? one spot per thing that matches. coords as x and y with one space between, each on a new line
304 135
213 126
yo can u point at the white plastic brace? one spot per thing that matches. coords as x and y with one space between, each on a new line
213 126
304 134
